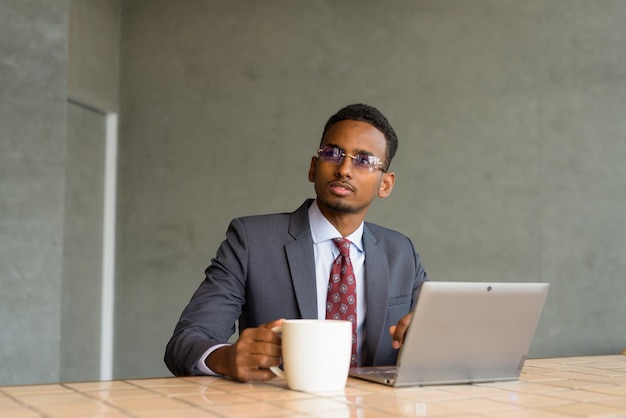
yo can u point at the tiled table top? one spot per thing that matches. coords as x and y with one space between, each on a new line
550 388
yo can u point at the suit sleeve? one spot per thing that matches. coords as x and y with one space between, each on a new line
209 318
420 277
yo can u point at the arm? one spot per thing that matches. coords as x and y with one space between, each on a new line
248 280
209 318
398 331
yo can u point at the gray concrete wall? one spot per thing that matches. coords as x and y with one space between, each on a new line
51 184
93 68
81 298
511 161
33 62
92 75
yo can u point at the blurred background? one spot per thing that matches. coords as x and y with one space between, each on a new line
133 131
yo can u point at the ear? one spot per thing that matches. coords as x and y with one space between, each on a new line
312 168
386 184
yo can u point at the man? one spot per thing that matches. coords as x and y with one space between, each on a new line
273 267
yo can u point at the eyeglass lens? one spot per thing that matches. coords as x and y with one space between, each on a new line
336 155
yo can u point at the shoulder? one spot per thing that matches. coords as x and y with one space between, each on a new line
387 238
382 233
268 232
297 221
263 222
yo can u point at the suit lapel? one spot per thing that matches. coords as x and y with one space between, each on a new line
376 292
302 262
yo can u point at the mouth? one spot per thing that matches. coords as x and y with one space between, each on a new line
340 188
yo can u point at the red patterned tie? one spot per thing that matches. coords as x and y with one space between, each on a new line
341 298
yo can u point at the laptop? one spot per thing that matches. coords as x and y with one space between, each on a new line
465 332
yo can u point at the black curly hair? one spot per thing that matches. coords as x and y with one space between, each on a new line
368 114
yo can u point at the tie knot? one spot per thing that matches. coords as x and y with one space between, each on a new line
343 245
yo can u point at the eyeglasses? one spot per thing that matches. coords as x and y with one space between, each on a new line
335 155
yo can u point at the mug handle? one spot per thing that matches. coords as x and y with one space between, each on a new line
277 370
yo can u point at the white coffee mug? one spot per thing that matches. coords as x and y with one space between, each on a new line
316 354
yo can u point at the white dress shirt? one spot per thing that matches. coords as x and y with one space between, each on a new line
325 252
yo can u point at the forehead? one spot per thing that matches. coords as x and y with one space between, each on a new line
356 136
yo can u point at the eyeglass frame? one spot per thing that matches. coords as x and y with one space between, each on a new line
373 165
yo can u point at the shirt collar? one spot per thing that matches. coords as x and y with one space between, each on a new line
322 230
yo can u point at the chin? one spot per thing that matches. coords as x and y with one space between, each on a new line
342 207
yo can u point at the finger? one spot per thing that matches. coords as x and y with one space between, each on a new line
265 349
250 362
247 374
261 361
258 342
260 375
396 343
264 332
273 324
261 334
398 331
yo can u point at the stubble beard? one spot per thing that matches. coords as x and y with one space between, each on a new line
341 207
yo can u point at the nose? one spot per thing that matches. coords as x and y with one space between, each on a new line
344 168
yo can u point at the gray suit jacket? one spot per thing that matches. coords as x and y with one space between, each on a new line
265 270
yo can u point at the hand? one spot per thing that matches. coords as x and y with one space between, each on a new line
399 331
251 356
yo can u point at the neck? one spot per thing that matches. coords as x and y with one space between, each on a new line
345 223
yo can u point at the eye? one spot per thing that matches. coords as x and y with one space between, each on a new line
330 153
335 152
364 159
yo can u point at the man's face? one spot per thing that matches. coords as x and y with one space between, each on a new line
344 188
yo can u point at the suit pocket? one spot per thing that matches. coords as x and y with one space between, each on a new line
397 307
399 300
